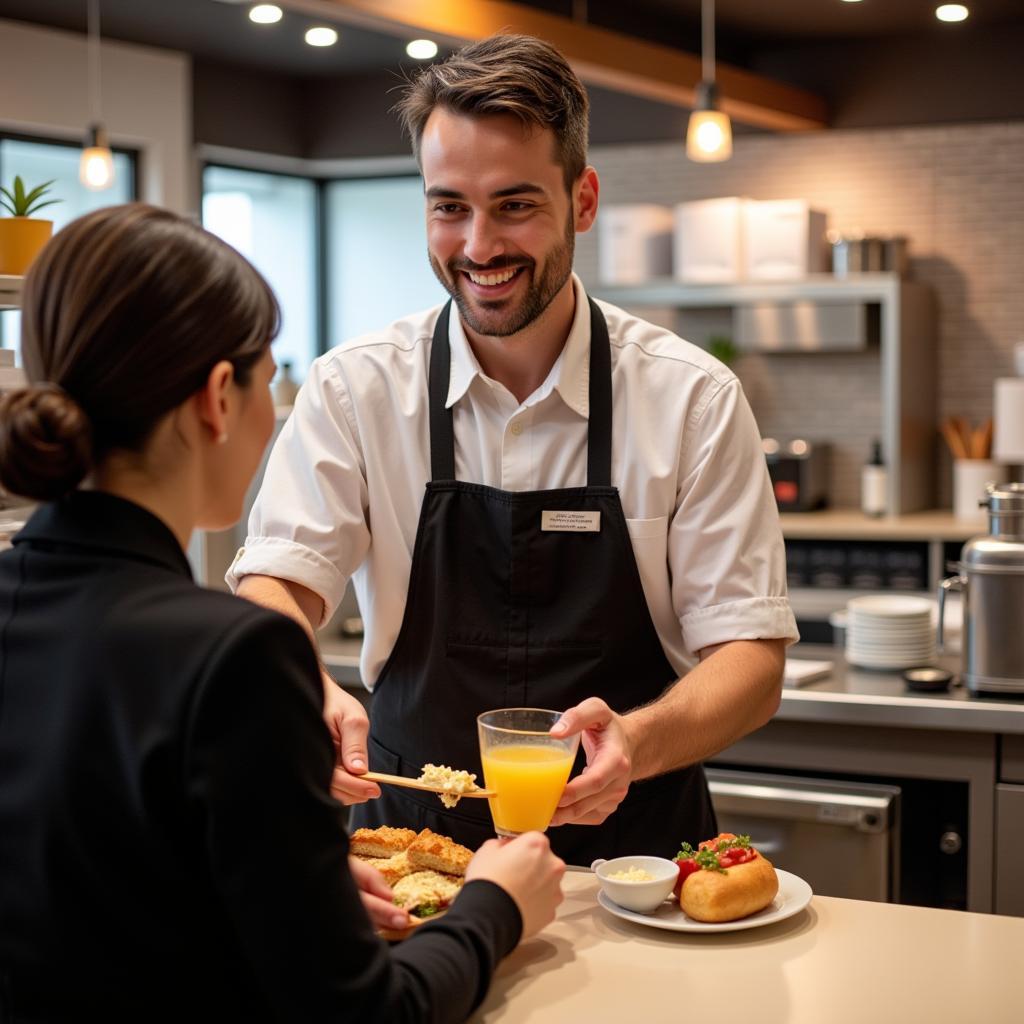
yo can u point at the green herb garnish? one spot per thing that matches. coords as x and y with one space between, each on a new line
707 859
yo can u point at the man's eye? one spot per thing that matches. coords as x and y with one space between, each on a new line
448 208
517 207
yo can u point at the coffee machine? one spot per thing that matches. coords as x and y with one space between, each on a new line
991 578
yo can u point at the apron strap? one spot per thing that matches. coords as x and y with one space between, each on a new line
599 441
599 437
442 432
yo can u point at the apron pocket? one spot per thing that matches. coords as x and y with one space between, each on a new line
382 759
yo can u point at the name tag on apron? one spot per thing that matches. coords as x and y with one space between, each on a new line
570 522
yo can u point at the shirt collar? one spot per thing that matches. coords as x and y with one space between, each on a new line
100 521
570 376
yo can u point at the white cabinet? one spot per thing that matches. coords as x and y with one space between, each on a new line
906 355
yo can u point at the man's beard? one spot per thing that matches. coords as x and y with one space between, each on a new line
540 292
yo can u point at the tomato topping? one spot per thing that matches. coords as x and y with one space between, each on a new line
724 851
730 858
687 866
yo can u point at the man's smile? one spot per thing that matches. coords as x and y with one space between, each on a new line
495 277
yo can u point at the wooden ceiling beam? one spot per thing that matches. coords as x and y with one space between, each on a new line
600 57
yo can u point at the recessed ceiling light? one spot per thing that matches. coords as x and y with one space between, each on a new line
321 36
851 1
951 12
422 49
265 14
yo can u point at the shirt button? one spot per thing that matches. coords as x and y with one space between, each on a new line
516 428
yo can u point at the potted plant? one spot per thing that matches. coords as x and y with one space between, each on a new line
21 234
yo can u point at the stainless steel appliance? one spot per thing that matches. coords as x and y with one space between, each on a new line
841 838
799 473
991 577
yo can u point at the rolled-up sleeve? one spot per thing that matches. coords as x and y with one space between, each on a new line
726 551
309 524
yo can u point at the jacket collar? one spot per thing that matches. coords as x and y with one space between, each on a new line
102 522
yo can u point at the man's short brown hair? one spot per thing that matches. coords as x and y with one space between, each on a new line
505 74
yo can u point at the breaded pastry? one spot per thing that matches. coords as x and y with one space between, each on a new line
380 842
426 893
396 867
439 853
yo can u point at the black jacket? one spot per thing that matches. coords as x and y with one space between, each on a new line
168 844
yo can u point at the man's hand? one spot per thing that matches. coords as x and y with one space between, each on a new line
346 718
376 896
591 797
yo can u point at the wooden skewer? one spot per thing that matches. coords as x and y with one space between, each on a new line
963 429
954 438
401 780
981 440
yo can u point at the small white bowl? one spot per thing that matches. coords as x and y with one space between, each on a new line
643 897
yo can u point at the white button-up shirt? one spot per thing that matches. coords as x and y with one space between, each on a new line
344 483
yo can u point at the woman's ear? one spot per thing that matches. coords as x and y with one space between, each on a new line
214 400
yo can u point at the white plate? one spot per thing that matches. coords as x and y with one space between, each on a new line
894 650
890 605
794 894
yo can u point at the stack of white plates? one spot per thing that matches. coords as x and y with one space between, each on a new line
891 631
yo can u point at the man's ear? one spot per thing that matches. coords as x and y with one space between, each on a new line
585 193
214 398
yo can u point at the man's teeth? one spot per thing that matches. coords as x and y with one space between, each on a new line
505 275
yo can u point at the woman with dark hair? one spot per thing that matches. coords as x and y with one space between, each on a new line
168 844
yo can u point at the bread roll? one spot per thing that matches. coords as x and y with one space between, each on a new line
728 895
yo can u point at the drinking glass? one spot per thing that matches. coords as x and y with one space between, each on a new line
525 766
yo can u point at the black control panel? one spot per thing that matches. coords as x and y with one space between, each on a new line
857 564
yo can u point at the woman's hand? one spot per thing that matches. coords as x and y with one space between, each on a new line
376 896
528 871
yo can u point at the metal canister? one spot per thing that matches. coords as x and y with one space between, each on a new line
991 578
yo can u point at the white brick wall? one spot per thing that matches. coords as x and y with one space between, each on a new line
957 192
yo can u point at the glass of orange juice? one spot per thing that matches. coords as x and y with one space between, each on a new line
525 766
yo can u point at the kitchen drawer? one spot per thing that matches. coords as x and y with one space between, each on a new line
1011 768
1009 843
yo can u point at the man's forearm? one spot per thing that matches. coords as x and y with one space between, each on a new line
291 599
729 694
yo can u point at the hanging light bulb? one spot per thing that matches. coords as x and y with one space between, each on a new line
709 132
96 167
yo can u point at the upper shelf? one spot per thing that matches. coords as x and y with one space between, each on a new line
10 291
818 287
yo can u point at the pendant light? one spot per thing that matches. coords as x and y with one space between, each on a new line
96 168
709 133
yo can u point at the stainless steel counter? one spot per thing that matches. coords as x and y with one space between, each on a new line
855 696
850 696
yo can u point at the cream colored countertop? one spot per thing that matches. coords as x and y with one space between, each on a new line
852 524
838 961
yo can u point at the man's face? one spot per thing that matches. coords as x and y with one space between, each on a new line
500 223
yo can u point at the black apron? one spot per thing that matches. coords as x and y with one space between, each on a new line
501 613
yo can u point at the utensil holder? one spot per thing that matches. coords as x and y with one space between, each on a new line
969 479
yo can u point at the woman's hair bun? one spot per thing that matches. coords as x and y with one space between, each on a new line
45 443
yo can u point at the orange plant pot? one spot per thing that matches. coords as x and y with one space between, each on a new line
21 238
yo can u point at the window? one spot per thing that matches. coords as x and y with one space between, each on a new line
37 161
272 220
377 255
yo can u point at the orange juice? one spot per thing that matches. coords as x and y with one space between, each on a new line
528 779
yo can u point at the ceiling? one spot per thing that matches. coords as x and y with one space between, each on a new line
219 30
774 20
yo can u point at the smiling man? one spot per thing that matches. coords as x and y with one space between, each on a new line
541 499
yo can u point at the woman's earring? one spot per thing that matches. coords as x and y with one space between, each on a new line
222 437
